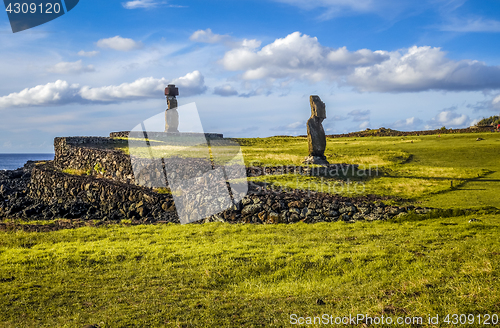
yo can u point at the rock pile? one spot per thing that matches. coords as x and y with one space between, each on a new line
268 206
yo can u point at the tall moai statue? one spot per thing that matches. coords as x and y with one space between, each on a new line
171 114
316 137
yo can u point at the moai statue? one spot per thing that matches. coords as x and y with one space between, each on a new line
316 138
171 114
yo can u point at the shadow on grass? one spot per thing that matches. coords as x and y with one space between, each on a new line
412 216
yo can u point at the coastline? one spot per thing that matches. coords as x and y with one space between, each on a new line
13 161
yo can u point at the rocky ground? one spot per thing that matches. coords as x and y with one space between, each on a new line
13 186
15 203
262 205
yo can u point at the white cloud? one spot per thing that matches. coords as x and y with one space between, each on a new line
119 43
147 87
474 121
293 128
297 56
191 84
61 92
88 53
225 91
424 68
70 68
472 25
496 100
299 124
57 93
449 119
360 115
207 36
364 125
386 9
140 4
251 44
302 57
333 8
409 124
491 104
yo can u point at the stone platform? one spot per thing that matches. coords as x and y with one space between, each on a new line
125 134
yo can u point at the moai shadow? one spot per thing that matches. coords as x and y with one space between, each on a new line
316 137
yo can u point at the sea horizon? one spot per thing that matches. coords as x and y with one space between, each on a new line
13 161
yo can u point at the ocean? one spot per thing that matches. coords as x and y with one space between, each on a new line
15 161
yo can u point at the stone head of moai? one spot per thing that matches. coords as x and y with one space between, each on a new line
318 108
171 91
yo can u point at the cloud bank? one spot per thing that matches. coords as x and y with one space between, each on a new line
118 43
422 69
207 36
386 9
57 93
140 4
225 91
411 123
61 92
448 119
70 68
88 53
472 25
299 56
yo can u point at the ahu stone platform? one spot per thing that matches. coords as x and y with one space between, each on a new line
91 178
160 135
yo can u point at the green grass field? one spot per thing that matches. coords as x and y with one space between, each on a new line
419 168
221 275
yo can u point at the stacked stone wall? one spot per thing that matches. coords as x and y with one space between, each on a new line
54 194
97 157
51 194
97 198
110 193
94 155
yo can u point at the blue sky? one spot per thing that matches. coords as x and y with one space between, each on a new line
250 66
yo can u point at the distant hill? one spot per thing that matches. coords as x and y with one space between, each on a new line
386 132
490 121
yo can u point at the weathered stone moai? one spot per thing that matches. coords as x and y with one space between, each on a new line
316 138
171 114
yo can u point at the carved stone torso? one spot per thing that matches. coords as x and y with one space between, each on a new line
171 116
316 138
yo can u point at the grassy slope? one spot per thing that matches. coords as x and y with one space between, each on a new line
421 170
245 275
218 275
